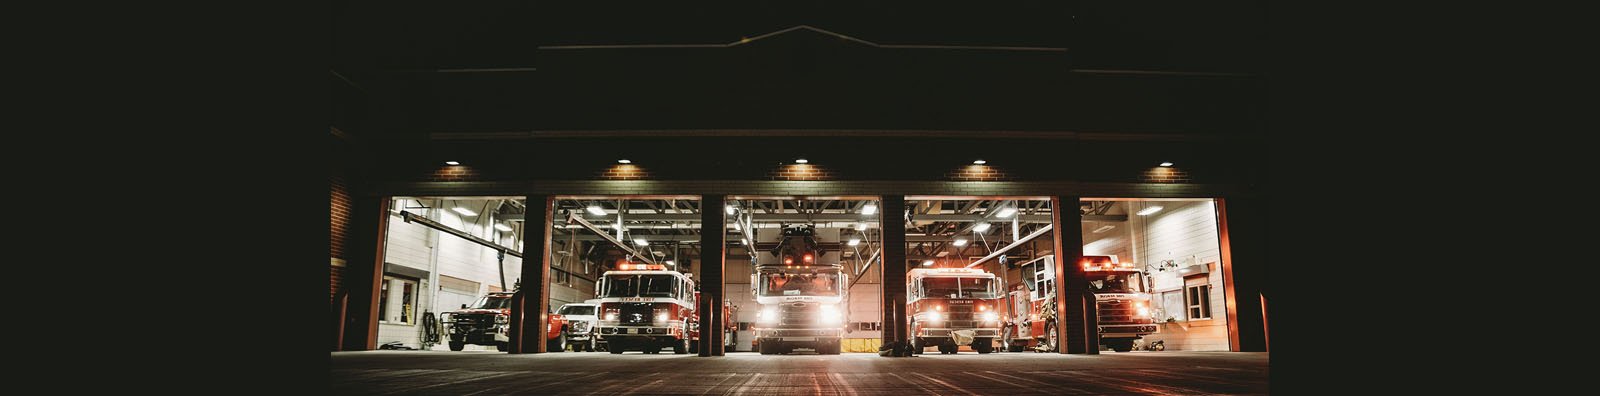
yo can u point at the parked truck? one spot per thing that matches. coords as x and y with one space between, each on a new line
802 300
646 307
487 322
1122 305
581 319
950 307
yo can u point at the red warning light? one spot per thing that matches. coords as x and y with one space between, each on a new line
788 260
808 257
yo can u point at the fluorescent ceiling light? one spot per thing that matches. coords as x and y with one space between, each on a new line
464 211
927 263
641 242
452 163
979 162
595 210
960 242
869 209
670 262
1007 212
624 161
1149 210
737 227
981 227
854 241
1166 164
1104 228
861 226
801 161
728 209
502 227
942 254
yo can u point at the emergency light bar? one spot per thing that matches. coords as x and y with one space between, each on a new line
641 267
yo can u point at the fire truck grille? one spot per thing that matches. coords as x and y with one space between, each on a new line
1119 312
636 314
798 314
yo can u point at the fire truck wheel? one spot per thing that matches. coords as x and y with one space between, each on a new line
916 346
616 347
694 346
652 348
1122 346
767 348
1050 336
503 347
681 347
947 347
589 347
983 345
457 346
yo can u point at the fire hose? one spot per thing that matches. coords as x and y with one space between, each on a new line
430 330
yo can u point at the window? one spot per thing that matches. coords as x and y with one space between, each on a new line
397 300
1198 298
868 326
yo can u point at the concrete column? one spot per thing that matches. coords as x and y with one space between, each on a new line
713 257
892 221
369 229
530 308
1077 322
1243 236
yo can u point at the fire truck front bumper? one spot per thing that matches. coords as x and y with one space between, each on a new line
800 335
943 332
637 331
1127 331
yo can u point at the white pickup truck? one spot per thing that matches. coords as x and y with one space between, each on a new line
581 322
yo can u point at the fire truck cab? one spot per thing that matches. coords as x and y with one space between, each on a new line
1122 303
646 307
803 302
950 307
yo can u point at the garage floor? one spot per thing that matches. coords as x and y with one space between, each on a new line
463 373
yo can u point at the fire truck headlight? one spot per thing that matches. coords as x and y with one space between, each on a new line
933 316
767 315
501 319
1144 311
611 314
830 314
990 317
661 317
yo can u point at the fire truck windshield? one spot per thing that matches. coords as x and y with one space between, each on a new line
492 303
953 287
806 284
640 286
1129 282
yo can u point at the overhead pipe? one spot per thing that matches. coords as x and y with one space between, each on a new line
1013 245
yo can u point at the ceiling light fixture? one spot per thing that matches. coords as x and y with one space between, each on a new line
670 262
1149 210
927 263
854 241
502 227
801 161
979 162
942 254
641 242
1007 212
869 209
981 227
1104 228
595 210
464 211
624 161
727 209
960 242
861 226
452 163
1166 164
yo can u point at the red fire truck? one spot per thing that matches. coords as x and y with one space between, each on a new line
950 307
730 335
1121 304
646 307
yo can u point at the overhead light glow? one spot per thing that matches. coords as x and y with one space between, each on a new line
854 241
869 209
595 210
1007 212
624 161
502 227
728 209
927 263
464 211
641 242
979 162
670 262
617 225
942 254
1149 210
981 227
1104 228
801 161
1166 164
960 242
861 226
452 163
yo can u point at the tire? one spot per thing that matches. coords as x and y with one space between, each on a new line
589 347
948 347
616 347
457 345
767 348
983 345
652 348
694 346
1050 336
503 347
917 344
557 345
681 347
1122 346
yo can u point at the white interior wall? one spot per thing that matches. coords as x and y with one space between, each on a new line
1186 234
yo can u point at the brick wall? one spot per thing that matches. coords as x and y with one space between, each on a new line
800 172
455 173
336 275
624 172
339 209
1165 175
977 173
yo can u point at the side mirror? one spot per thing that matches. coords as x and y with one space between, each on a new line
463 306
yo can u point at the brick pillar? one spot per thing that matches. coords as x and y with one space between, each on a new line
530 310
713 257
1077 327
893 225
1243 236
369 226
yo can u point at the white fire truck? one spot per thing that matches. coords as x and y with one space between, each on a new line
950 307
1122 305
646 307
802 301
